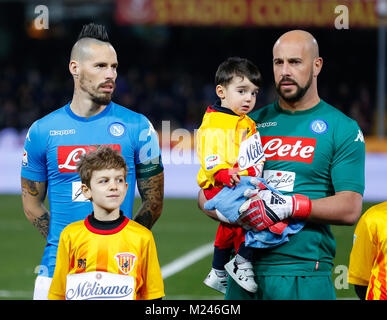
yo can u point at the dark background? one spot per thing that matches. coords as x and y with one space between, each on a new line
167 72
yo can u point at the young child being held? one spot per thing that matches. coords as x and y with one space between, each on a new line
225 140
106 256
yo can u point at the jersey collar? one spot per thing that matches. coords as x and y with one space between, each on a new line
89 119
216 107
106 227
310 110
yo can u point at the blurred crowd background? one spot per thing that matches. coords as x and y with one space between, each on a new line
167 71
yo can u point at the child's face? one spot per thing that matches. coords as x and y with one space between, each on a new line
107 189
239 95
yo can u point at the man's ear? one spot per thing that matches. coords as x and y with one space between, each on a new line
220 91
317 66
86 191
74 68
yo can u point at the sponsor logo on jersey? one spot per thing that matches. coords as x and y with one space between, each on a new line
81 263
68 156
64 132
299 149
117 129
250 152
99 285
319 126
280 180
125 261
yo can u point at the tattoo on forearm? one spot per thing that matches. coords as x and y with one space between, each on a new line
145 218
33 194
152 195
29 187
42 223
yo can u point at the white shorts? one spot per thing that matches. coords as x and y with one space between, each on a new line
42 286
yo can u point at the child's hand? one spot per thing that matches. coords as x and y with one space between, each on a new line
228 177
234 180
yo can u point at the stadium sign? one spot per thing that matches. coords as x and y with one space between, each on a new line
260 13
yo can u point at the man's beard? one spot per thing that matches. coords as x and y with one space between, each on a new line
103 98
300 92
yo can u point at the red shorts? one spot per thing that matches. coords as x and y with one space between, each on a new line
228 236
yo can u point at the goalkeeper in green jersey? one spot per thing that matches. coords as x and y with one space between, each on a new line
313 149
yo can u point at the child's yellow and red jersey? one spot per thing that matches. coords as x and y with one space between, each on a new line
118 263
218 140
367 266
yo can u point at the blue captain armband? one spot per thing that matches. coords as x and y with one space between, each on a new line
149 168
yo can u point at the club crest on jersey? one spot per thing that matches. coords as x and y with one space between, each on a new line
116 129
125 261
319 126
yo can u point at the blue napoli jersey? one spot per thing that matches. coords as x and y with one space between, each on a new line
52 149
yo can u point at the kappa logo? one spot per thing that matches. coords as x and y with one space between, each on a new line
360 136
266 124
125 261
62 132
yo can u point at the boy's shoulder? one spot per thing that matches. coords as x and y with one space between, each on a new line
376 214
73 227
220 119
139 229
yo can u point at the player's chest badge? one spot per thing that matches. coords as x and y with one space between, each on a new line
318 126
125 261
116 129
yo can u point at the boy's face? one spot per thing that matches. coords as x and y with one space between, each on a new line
239 95
107 189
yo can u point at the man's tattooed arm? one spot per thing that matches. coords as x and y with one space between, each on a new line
152 194
33 195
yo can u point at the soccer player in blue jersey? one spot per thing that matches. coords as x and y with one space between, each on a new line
55 142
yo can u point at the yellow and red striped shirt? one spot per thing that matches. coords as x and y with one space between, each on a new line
128 250
367 266
218 140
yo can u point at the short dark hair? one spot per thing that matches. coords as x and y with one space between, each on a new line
240 67
95 31
102 158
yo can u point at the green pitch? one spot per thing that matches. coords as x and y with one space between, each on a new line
181 229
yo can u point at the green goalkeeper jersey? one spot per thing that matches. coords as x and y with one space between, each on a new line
315 152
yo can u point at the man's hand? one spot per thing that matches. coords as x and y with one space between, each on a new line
265 208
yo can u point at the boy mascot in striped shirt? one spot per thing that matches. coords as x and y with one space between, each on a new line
107 255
